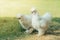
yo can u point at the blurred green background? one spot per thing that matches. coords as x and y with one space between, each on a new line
9 8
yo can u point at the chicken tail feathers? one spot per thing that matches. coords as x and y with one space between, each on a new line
47 16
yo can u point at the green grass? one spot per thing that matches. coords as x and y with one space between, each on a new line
11 29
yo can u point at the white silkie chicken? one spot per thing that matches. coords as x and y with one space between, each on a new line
25 21
40 23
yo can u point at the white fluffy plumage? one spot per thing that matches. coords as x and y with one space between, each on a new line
25 21
40 24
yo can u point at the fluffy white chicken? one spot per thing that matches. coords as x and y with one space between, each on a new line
40 23
25 21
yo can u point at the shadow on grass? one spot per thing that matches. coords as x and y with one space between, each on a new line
54 28
56 19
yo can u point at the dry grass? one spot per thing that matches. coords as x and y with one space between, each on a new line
45 37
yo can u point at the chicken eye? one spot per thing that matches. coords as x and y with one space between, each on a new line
19 18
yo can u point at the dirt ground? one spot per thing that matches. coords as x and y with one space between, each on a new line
44 37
